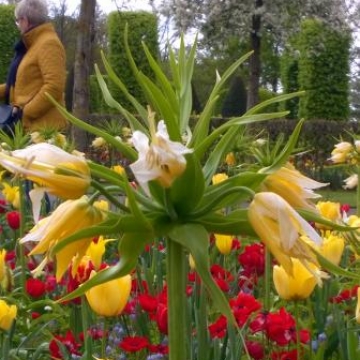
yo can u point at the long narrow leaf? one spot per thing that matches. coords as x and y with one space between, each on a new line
206 143
115 79
202 127
162 79
195 238
162 106
283 157
110 101
127 151
276 99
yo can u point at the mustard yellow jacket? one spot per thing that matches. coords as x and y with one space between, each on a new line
42 70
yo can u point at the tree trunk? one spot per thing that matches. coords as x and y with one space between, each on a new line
83 61
255 64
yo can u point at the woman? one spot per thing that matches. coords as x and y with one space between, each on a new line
38 68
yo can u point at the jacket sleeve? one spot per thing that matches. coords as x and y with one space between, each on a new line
52 65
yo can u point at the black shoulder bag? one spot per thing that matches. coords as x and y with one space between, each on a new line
7 119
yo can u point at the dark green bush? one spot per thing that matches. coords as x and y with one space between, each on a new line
142 27
10 34
323 71
235 100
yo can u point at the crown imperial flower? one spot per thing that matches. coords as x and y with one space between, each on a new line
282 230
69 217
52 169
163 160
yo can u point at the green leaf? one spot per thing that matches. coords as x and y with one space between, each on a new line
116 224
130 248
125 149
228 192
136 212
141 110
202 126
187 190
334 269
103 172
276 99
283 157
352 342
162 80
315 217
196 240
162 106
235 223
230 128
133 122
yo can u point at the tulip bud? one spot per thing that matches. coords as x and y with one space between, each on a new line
7 315
109 298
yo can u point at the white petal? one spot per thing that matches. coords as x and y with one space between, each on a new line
140 142
46 153
162 130
36 195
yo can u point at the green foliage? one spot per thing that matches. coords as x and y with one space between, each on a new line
265 94
289 79
270 61
323 71
7 41
97 102
235 100
142 28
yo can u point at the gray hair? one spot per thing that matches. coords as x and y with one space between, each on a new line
35 11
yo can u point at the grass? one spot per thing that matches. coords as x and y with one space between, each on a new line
341 196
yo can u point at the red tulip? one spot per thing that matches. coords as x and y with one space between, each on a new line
13 219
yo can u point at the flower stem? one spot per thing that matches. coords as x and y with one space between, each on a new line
297 317
85 325
267 279
358 193
179 345
22 212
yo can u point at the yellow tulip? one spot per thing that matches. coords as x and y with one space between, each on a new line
7 315
332 247
230 159
296 287
11 194
224 243
2 265
118 169
110 298
218 178
329 210
292 186
281 229
96 250
357 311
68 218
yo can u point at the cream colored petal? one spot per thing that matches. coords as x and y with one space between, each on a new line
36 195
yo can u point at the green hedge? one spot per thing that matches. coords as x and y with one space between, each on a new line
10 34
323 71
142 28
